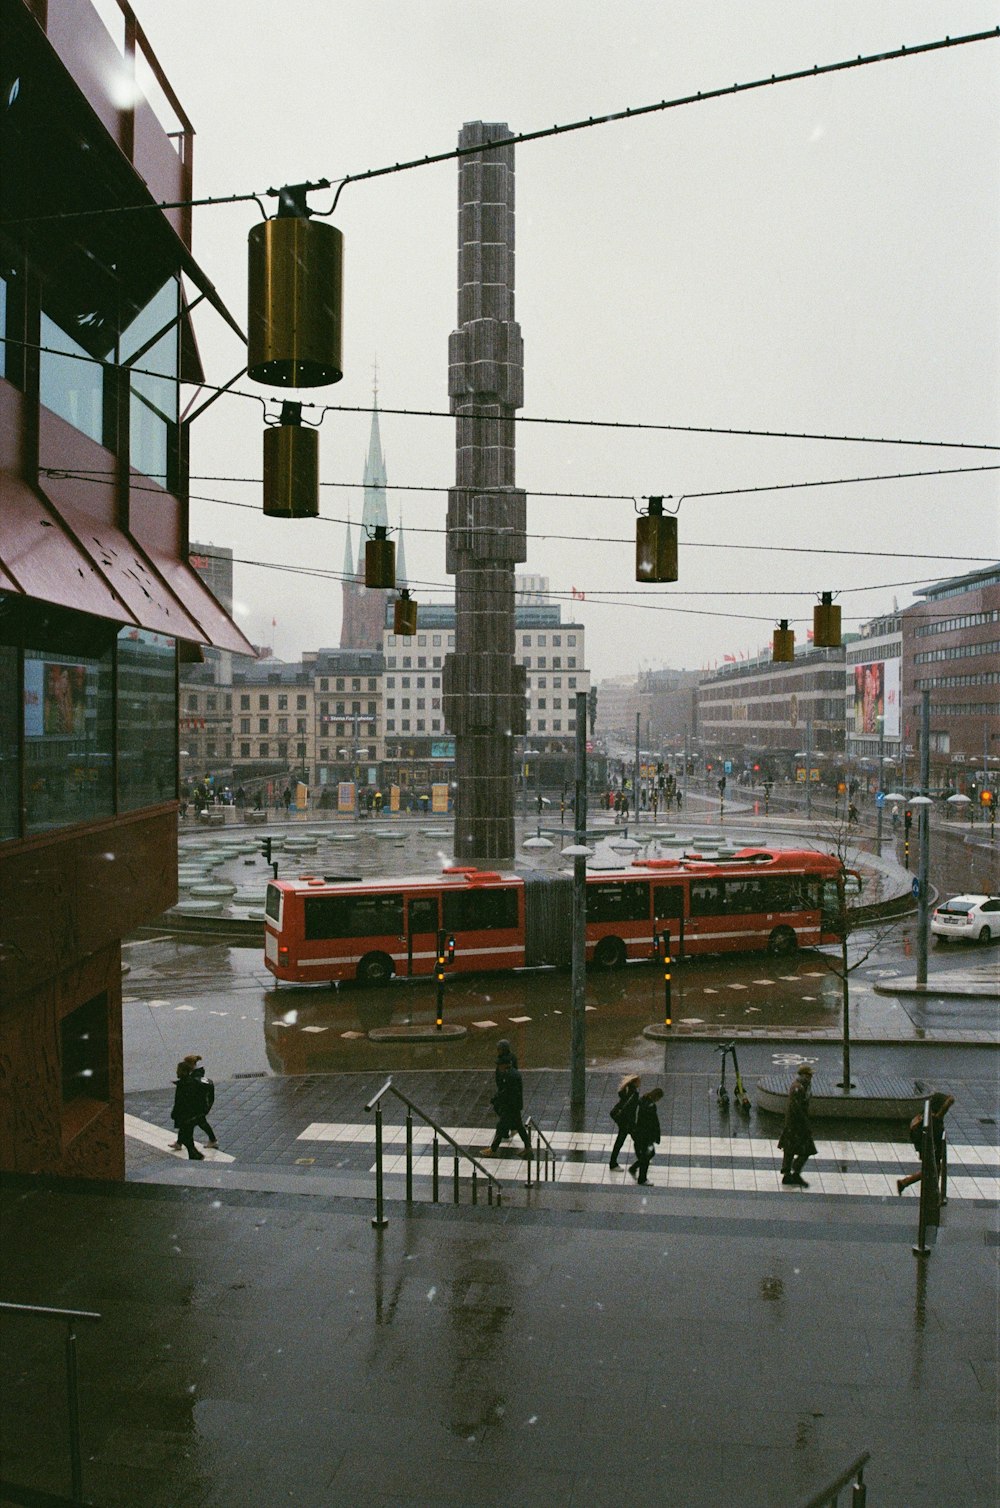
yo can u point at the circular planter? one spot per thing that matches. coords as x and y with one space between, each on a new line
216 889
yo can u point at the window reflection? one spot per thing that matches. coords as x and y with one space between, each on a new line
147 719
67 738
8 741
71 382
153 392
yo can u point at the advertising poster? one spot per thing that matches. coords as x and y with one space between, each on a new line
876 695
345 796
394 798
55 699
439 798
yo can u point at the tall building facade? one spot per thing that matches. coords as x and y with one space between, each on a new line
98 602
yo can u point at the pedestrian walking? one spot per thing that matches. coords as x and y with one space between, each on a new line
194 1096
623 1113
796 1141
646 1133
508 1102
940 1105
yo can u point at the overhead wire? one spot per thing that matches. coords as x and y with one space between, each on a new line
631 112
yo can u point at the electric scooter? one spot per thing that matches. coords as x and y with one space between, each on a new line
739 1092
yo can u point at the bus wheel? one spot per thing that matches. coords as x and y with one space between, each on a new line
375 969
609 953
781 942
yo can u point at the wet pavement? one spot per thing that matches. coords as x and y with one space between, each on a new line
711 1337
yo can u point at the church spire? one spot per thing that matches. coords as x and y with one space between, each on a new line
348 571
375 511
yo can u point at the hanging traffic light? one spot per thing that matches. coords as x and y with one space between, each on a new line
826 623
404 615
783 644
655 544
294 296
380 560
291 466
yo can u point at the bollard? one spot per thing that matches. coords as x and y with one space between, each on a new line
434 1168
455 1177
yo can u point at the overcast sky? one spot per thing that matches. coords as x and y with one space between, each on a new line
820 256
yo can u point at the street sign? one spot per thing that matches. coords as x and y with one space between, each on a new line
880 798
915 887
728 766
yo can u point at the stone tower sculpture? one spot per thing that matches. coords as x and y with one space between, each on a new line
484 689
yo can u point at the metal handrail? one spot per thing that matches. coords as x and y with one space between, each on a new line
492 1182
859 1495
42 1311
550 1169
933 1183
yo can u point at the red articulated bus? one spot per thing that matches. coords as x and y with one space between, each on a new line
319 930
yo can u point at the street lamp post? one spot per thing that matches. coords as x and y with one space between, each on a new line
880 797
924 803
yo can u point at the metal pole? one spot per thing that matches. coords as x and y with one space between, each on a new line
379 1222
578 1051
809 760
635 781
924 862
880 799
409 1155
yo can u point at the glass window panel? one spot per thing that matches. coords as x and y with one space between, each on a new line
3 327
153 405
67 738
71 383
8 742
147 718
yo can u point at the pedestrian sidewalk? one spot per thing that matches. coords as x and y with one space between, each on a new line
979 982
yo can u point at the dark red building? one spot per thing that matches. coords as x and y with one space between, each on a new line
98 602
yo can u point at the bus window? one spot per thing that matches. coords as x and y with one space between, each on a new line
423 913
353 916
668 902
706 898
783 892
272 904
743 897
480 910
618 901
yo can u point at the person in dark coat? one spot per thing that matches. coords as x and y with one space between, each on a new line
646 1133
508 1102
623 1113
940 1105
796 1141
194 1096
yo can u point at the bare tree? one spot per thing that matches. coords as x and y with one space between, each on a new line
839 838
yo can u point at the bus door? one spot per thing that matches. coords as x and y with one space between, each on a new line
668 914
705 924
421 934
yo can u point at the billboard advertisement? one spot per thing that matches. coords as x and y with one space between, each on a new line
55 699
876 695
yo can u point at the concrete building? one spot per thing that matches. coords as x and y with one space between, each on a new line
347 742
774 711
617 707
951 648
667 708
273 723
98 602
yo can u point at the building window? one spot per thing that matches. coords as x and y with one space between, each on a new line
282 725
282 751
282 704
300 704
571 640
324 751
300 725
244 704
324 684
390 725
244 751
264 725
70 383
146 719
264 704
67 738
153 392
244 725
83 1051
262 751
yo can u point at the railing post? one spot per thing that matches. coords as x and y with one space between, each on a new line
944 1170
73 1402
409 1155
929 1213
454 1176
379 1221
475 1190
434 1166
531 1131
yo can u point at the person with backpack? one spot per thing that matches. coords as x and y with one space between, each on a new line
623 1113
646 1133
194 1096
940 1105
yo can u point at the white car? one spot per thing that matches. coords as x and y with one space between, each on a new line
974 917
